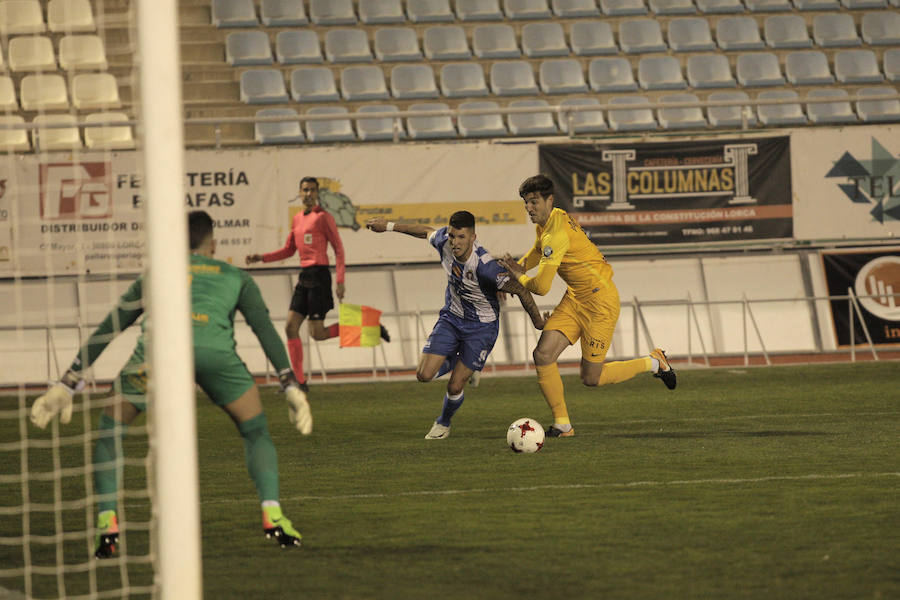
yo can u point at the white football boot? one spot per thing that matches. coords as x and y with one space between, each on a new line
438 432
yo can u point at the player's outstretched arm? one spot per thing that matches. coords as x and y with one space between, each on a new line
56 401
380 225
514 287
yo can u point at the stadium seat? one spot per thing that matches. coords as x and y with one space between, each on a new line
8 101
571 9
313 84
21 17
248 48
347 45
611 75
43 92
786 31
525 9
413 81
632 118
480 125
380 128
541 123
544 39
807 68
70 16
863 4
263 86
680 118
282 13
95 90
590 38
429 11
738 33
817 4
881 28
420 128
463 80
233 13
14 140
562 76
364 82
831 112
298 46
581 122
713 7
673 7
31 53
758 70
832 30
875 110
690 34
660 73
332 130
332 12
282 132
57 138
395 44
892 64
445 42
730 116
769 5
780 114
108 137
623 8
709 71
641 35
381 12
513 78
78 52
478 10
495 41
857 66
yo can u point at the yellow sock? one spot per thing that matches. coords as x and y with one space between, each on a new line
552 388
623 370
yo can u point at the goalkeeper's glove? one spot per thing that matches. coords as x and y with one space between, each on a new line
57 400
299 412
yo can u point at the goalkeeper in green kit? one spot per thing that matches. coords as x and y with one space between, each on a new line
217 290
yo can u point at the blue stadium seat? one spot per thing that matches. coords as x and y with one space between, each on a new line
857 66
31 53
673 7
690 34
839 111
363 82
562 76
513 78
332 12
680 117
864 4
463 80
298 46
660 73
282 13
379 128
623 8
284 132
875 110
780 114
892 64
808 68
82 52
714 7
381 12
590 38
631 117
430 127
525 9
347 45
641 35
786 31
14 140
611 75
531 123
832 30
478 10
582 121
570 9
248 48
738 33
429 11
544 39
313 84
480 125
817 4
395 44
881 28
730 116
233 13
332 130
709 71
263 86
8 100
769 5
445 42
413 81
759 70
495 41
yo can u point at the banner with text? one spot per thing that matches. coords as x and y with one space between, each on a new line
673 192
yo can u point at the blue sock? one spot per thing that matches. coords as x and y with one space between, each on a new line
451 405
447 365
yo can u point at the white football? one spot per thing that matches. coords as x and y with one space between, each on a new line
525 435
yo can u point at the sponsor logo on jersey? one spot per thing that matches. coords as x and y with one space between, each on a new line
548 251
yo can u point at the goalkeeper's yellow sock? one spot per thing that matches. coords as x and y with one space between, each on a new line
623 370
552 387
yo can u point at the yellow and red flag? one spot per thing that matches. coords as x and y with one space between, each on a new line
359 325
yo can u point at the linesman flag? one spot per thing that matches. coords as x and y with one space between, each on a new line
359 325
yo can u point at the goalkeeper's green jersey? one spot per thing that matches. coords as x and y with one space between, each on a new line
218 289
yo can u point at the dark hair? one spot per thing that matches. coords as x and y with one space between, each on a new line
309 179
200 227
462 218
541 184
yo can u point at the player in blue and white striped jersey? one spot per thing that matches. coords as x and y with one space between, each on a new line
468 324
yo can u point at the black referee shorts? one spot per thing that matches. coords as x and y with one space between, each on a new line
312 296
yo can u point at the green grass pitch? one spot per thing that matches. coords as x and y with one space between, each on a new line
779 482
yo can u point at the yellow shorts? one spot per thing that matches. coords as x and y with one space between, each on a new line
592 320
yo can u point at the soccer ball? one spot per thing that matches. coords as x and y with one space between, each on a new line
525 435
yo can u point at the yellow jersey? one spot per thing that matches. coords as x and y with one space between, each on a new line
562 246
